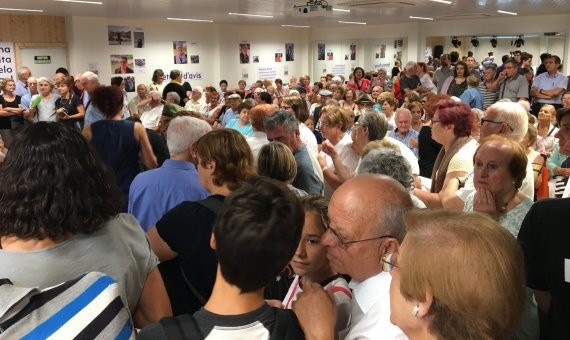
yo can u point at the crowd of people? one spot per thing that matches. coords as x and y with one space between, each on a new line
378 207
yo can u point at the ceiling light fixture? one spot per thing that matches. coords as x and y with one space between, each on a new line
442 2
352 22
252 15
505 12
82 2
184 19
474 41
341 10
493 41
22 10
421 18
455 42
519 41
298 26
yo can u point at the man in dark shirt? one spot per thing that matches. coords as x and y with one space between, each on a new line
175 85
409 81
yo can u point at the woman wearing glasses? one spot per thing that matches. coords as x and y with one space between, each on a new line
456 276
451 127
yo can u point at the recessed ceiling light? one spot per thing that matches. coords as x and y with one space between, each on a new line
252 15
505 12
352 22
82 2
22 10
184 19
421 18
442 1
299 26
341 10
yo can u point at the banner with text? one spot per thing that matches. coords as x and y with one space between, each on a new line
7 64
267 73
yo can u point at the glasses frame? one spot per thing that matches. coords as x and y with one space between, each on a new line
388 263
483 120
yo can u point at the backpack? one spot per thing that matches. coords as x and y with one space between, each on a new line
286 327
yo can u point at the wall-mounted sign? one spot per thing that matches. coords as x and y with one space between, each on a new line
7 67
42 59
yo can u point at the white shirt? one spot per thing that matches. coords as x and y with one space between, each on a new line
408 155
347 156
371 310
150 118
256 141
196 106
308 138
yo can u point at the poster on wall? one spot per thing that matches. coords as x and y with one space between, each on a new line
321 52
352 51
122 63
289 52
244 73
138 38
140 65
195 59
338 70
130 84
255 59
267 72
278 57
330 55
382 51
7 66
285 70
244 53
180 50
119 35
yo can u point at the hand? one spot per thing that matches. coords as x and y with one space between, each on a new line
316 312
322 161
564 172
484 201
413 142
329 149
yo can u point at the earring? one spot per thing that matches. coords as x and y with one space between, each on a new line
416 310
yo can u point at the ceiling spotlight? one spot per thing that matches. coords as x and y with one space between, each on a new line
519 41
494 41
474 42
455 42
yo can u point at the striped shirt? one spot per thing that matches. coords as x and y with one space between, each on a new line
88 307
489 98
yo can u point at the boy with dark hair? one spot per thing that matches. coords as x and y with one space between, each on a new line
255 236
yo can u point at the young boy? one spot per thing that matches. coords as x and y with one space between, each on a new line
255 237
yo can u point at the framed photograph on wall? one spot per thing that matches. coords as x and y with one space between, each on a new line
321 52
138 39
122 63
119 35
180 50
289 52
244 49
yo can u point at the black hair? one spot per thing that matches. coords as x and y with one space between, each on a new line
187 87
62 70
223 81
54 185
453 56
525 56
257 233
108 99
505 58
157 74
544 56
117 81
266 98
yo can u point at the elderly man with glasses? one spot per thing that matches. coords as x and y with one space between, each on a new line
365 227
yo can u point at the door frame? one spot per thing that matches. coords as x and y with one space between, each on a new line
19 46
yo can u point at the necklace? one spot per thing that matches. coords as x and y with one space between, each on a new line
503 209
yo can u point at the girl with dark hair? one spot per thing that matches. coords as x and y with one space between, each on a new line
68 107
157 81
117 141
60 219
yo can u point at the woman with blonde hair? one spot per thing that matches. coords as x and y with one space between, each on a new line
456 275
10 110
42 105
276 161
545 139
348 101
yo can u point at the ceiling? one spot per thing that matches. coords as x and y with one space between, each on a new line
369 11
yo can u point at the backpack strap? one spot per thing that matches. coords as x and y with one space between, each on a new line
181 327
286 326
213 204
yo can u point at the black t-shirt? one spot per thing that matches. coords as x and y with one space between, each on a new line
5 122
175 87
70 105
428 149
409 83
545 239
187 229
158 145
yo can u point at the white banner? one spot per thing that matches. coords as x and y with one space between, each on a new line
7 64
267 73
338 70
194 75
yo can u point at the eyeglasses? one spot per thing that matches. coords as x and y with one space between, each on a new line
483 120
435 121
283 107
344 244
389 262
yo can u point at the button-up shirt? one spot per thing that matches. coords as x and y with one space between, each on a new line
405 139
21 88
92 113
545 81
371 310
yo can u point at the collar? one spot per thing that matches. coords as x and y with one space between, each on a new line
182 165
514 78
369 291
554 76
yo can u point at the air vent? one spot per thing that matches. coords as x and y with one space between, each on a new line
465 16
375 3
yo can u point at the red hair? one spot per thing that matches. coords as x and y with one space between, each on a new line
456 113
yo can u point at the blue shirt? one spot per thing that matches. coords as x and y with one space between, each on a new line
245 130
405 139
26 100
472 97
21 88
545 82
228 116
92 113
155 192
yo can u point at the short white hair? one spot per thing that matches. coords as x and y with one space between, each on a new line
90 76
403 111
22 70
173 95
410 65
183 132
514 115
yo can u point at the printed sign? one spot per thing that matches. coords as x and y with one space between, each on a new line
267 73
42 59
7 66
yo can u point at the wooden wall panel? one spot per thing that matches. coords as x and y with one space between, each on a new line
32 28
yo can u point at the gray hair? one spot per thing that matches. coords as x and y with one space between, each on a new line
47 80
387 162
403 110
183 132
514 115
90 76
284 118
21 71
174 96
375 122
410 65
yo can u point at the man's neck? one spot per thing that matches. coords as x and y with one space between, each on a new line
445 68
227 299
552 73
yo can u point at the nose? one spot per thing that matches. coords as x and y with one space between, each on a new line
301 250
557 134
328 239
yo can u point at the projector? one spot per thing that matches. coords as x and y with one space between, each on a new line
311 10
